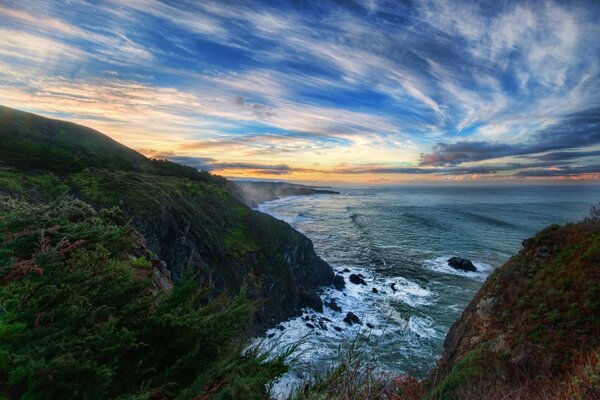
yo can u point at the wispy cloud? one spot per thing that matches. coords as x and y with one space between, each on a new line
429 88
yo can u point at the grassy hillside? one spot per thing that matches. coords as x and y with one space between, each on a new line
533 330
30 142
87 313
188 217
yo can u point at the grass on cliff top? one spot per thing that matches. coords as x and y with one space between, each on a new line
542 340
79 318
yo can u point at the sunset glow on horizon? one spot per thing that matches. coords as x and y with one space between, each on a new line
371 92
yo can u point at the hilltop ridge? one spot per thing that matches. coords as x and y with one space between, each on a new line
189 218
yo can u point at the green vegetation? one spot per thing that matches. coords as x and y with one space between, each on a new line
534 327
80 316
189 218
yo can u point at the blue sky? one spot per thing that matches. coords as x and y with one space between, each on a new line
365 91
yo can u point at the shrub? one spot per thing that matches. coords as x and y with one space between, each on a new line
79 320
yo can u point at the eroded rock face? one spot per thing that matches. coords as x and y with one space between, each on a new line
271 259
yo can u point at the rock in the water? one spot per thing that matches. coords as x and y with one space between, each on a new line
462 264
393 286
345 270
338 282
270 335
313 300
311 326
374 290
337 328
357 279
334 306
351 318
370 325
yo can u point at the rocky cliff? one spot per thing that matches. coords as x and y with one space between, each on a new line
533 330
188 218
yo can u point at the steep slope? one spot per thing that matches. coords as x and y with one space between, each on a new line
37 142
533 330
87 312
188 218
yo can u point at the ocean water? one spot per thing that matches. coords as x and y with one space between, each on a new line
404 236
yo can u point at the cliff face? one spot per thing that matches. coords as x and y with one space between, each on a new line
189 219
533 327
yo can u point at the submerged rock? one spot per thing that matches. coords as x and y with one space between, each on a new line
462 264
311 326
393 286
357 279
338 282
352 318
370 325
337 328
374 290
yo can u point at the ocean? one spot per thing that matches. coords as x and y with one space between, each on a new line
403 236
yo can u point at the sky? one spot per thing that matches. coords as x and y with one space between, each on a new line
358 92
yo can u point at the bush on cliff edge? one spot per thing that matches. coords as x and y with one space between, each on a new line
81 319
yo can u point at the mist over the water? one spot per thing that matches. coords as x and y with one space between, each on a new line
404 236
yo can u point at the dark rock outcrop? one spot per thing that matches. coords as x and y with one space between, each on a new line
312 300
462 264
338 282
357 279
334 306
352 318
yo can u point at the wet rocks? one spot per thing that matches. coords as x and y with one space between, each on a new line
352 318
334 306
313 300
374 290
338 282
357 279
311 326
370 325
462 264
337 328
393 286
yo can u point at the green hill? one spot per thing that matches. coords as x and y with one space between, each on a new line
189 218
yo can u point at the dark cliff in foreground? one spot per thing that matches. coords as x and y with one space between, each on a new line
533 330
188 218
